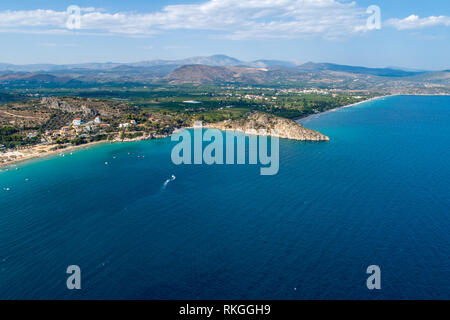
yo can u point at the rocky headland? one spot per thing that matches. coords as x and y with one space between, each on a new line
270 125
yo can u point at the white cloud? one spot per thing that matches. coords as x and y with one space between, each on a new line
415 22
32 18
51 44
234 19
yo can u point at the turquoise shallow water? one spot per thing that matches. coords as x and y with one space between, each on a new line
378 193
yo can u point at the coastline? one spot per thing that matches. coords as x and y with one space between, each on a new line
273 126
33 155
301 119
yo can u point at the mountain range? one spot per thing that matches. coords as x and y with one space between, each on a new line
214 60
224 69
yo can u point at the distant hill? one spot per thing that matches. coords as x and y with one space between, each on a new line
215 60
219 60
55 67
151 71
209 74
200 74
269 70
407 69
225 69
33 77
381 72
434 76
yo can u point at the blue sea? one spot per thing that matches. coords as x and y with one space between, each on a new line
377 194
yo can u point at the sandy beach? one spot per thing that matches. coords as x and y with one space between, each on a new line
17 156
14 157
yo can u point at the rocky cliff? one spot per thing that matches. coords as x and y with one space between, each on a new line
254 122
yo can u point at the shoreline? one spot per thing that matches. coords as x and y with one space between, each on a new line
38 155
301 119
305 118
35 155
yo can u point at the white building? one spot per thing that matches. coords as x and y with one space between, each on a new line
32 135
77 122
97 120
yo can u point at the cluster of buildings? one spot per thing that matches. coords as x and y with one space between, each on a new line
303 91
77 128
259 97
127 124
276 93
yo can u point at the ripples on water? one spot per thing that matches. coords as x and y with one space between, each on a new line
378 193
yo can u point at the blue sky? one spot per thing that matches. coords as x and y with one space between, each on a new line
413 34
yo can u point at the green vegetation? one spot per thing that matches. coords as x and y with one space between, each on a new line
131 135
151 110
12 137
78 141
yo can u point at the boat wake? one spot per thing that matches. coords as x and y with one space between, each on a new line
168 181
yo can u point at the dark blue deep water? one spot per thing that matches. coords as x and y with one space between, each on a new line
378 193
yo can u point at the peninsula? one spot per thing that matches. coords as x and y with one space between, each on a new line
263 123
